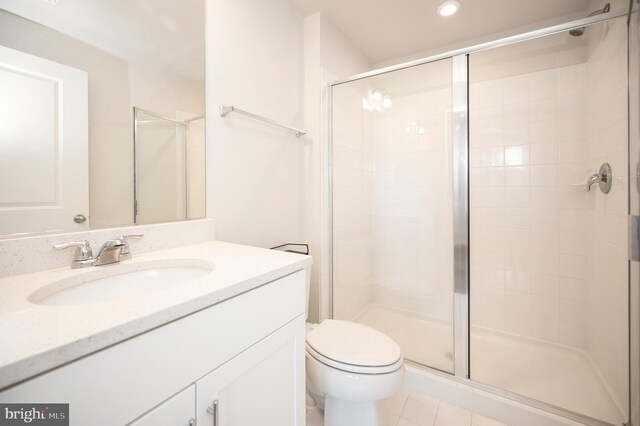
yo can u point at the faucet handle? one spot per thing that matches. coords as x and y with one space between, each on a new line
83 249
125 254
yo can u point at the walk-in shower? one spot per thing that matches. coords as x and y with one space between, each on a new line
462 224
168 167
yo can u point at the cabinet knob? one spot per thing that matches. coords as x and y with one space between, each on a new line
192 422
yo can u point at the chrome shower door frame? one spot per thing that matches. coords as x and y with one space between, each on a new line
460 122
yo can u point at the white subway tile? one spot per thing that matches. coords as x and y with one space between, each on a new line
487 197
544 197
542 241
544 285
573 243
516 89
516 176
516 239
572 80
545 307
517 197
517 218
572 289
572 220
518 281
517 155
545 175
573 312
544 219
572 266
544 109
544 131
544 84
544 153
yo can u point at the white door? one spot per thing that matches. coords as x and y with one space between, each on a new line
43 144
264 385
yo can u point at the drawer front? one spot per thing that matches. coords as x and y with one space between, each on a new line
120 383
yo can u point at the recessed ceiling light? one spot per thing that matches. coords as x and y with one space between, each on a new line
448 8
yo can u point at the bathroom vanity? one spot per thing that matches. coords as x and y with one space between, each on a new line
224 348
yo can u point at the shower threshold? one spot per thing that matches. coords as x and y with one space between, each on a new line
559 375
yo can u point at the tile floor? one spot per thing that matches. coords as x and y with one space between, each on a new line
410 408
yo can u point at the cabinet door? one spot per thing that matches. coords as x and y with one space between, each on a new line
264 385
179 410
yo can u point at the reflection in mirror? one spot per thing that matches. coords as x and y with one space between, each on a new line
101 113
168 172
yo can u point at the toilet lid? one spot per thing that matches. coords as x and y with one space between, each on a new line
353 344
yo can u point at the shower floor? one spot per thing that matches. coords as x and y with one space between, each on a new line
558 375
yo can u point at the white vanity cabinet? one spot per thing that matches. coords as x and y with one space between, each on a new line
179 410
261 386
246 352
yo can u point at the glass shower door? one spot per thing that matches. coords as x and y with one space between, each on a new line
392 208
549 270
160 168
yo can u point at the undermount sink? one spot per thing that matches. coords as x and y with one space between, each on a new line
112 283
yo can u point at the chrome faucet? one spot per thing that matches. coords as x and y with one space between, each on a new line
604 179
112 251
84 254
594 178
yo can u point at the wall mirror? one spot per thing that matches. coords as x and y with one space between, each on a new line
101 113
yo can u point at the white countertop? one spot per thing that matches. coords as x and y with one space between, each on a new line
37 338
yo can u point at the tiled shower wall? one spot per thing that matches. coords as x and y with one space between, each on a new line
606 245
548 258
528 204
351 204
412 204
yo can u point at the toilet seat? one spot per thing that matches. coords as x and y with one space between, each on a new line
353 347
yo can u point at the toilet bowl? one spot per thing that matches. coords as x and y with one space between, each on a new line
354 368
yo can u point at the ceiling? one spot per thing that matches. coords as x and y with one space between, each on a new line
383 30
166 33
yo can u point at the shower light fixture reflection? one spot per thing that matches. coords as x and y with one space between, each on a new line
377 100
448 8
366 105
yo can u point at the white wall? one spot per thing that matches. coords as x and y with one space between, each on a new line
254 171
328 55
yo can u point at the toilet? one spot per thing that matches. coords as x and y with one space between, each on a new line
354 368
